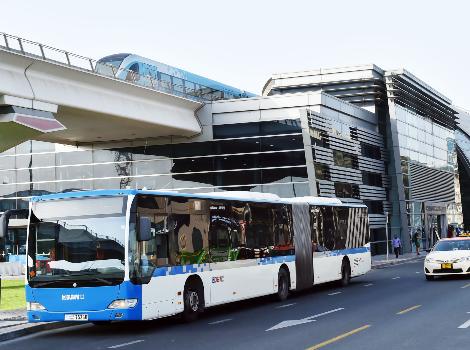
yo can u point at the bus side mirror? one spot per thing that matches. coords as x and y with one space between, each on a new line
145 230
3 225
5 219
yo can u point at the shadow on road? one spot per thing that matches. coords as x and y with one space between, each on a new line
141 328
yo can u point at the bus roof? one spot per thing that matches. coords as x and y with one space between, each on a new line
229 195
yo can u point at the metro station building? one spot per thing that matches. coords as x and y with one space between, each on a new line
360 133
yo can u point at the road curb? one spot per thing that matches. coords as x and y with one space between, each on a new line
31 328
396 262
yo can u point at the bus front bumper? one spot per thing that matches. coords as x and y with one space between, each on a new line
84 316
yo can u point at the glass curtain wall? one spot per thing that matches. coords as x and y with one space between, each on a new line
424 142
262 157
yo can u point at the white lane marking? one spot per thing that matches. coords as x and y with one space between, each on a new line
465 325
290 323
125 344
465 286
221 321
387 266
368 284
418 272
395 278
335 293
286 305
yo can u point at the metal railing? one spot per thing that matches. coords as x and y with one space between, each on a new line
47 53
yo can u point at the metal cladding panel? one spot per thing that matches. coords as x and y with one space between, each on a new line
327 188
348 175
344 144
372 165
323 155
431 185
319 122
372 192
377 220
303 245
370 137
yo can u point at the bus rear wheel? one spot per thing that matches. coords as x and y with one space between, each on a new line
282 285
345 273
192 303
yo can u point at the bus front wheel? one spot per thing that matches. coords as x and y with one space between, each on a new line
282 285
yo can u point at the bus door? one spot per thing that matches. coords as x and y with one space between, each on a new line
225 278
303 246
325 260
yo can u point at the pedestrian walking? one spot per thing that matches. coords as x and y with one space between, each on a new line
417 240
396 242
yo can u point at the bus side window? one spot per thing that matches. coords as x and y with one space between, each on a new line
316 226
188 231
327 228
341 226
260 231
219 231
155 251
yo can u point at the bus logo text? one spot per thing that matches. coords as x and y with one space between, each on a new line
73 297
217 279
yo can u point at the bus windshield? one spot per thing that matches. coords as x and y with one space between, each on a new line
77 242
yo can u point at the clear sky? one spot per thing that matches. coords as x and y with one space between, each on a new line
243 42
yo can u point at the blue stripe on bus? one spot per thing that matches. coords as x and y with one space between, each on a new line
348 251
276 259
179 270
184 269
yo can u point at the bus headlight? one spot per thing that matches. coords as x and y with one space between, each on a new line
123 304
33 306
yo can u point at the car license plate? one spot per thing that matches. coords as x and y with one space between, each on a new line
76 317
446 266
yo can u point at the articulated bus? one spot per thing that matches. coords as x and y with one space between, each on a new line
112 255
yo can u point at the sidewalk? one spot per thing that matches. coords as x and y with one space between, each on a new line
13 324
379 261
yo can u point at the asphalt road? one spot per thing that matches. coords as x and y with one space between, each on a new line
389 308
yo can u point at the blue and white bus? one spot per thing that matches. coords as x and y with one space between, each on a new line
161 76
113 255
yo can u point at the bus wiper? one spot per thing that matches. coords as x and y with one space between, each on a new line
40 284
88 273
43 283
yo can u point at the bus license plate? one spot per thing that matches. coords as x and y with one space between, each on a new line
76 317
446 266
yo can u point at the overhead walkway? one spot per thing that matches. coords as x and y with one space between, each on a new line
53 95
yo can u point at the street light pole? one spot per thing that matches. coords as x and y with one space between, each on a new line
386 231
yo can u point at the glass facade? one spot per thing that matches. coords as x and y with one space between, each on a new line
261 157
425 143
